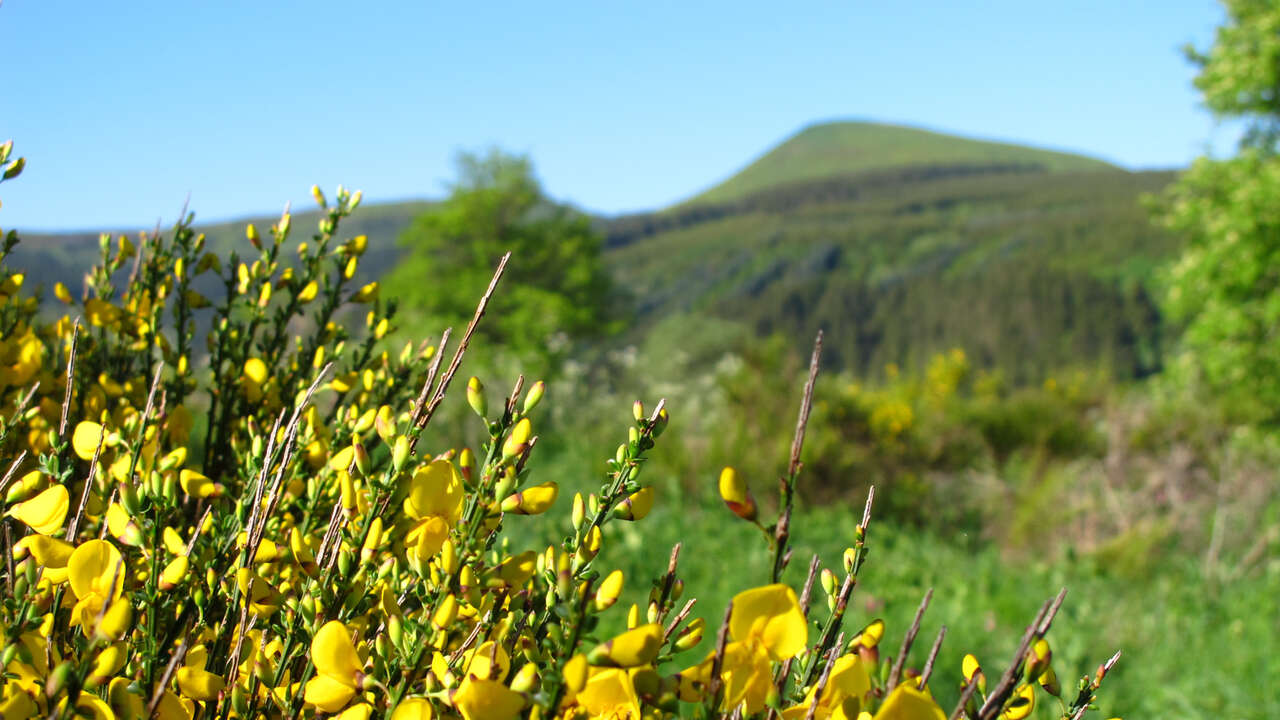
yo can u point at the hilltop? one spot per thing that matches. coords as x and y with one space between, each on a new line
835 149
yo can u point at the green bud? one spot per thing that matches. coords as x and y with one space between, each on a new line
506 483
475 397
400 453
15 168
240 700
363 463
395 630
346 561
660 423
62 679
579 515
534 396
637 410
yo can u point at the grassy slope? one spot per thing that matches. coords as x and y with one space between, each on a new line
1027 270
839 148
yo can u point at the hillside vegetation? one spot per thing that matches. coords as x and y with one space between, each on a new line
899 242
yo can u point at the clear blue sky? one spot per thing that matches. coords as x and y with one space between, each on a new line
122 108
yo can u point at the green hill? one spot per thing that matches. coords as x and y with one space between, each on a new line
1028 270
843 148
899 242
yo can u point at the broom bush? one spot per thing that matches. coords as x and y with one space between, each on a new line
218 504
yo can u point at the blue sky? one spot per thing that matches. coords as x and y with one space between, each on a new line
122 109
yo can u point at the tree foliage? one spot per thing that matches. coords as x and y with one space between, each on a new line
1226 287
555 288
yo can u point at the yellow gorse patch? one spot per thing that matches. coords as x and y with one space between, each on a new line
218 519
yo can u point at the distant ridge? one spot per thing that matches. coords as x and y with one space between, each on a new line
830 149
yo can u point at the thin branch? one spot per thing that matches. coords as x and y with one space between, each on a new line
933 656
71 374
969 689
716 683
430 409
895 675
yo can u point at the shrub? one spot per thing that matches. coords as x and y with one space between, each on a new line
254 527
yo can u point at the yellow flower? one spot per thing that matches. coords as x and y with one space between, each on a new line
638 646
479 699
96 571
636 506
199 684
610 589
610 693
414 708
45 513
50 553
770 616
842 697
435 501
909 703
339 671
767 626
736 494
532 500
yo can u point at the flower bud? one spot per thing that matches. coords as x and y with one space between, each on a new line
363 463
736 495
636 506
400 453
533 500
610 589
579 512
828 580
534 396
475 397
690 635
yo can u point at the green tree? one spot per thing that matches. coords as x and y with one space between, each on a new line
556 289
1225 289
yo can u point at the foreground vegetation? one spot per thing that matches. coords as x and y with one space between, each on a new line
299 553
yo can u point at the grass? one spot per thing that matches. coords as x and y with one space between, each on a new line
1191 650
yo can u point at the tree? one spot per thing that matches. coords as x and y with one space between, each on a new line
555 288
1225 289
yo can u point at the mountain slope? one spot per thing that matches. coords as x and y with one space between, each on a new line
898 242
1027 270
844 148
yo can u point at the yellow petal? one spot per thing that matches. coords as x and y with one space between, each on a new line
489 662
532 500
85 439
908 703
638 646
435 490
256 370
361 711
610 589
326 694
199 684
49 552
414 708
748 675
91 567
610 693
45 513
1021 704
771 616
335 655
480 699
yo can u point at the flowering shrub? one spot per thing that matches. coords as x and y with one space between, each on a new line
249 526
